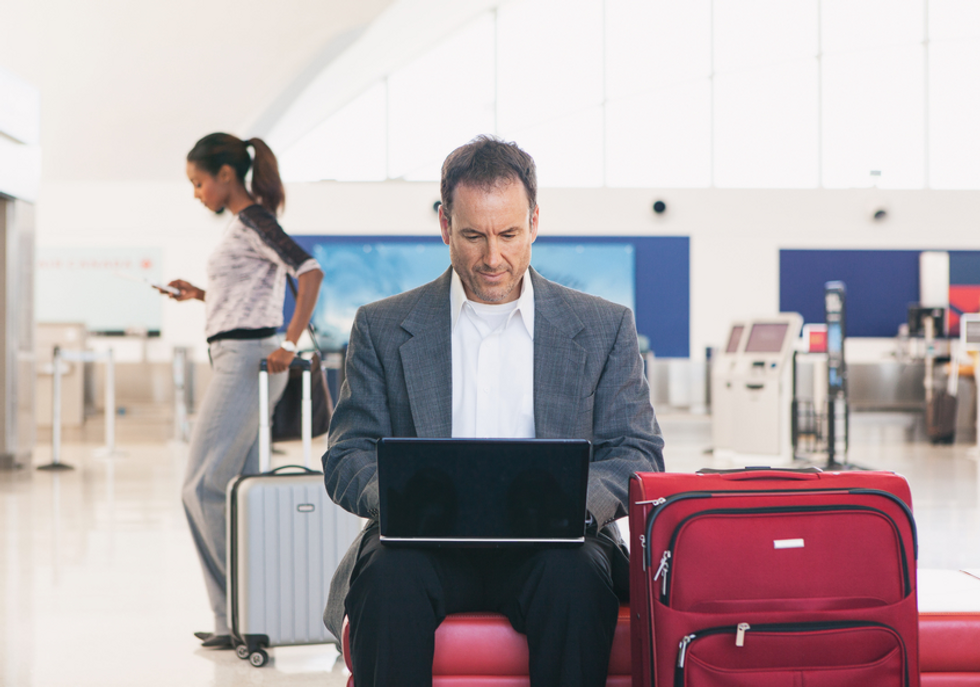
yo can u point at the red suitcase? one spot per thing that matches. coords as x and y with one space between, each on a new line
766 577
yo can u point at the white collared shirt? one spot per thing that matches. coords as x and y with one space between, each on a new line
493 365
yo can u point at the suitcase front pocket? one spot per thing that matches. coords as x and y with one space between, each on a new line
813 558
842 654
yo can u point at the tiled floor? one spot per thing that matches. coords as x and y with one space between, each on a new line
100 586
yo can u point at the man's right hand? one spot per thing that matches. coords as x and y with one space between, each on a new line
187 291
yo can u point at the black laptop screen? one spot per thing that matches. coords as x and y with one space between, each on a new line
453 489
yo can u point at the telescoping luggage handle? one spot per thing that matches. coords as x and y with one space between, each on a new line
265 414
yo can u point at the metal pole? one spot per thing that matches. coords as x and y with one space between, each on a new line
794 417
265 432
56 407
180 397
837 431
109 450
929 331
831 430
110 405
307 413
56 463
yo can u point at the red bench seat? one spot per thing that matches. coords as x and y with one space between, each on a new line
483 650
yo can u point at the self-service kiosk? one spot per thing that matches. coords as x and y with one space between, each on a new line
762 391
723 389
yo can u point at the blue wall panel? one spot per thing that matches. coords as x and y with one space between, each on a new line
663 294
880 286
964 267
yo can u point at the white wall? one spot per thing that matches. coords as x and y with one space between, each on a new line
735 235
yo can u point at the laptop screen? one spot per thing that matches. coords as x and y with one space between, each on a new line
483 491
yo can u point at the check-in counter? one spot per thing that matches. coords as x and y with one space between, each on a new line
764 391
752 391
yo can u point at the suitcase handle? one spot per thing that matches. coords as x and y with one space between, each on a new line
306 470
265 428
298 363
764 472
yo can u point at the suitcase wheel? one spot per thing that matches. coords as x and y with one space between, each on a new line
241 651
258 658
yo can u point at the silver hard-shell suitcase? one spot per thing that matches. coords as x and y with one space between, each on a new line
285 539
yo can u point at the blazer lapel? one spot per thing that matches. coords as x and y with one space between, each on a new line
427 361
558 361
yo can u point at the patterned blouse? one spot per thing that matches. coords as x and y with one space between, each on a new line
247 273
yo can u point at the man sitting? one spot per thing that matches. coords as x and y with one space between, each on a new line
489 349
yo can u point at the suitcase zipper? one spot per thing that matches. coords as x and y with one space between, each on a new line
740 630
662 570
682 650
655 511
660 503
740 633
656 503
665 585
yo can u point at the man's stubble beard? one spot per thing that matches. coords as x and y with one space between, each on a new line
468 278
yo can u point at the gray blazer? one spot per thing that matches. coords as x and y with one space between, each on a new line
588 384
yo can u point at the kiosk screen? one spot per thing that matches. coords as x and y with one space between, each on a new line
766 338
734 338
972 332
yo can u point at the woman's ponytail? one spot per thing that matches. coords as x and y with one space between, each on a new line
266 183
214 151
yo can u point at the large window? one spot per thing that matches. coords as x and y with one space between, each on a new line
699 93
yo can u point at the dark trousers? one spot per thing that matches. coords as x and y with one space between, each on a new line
562 599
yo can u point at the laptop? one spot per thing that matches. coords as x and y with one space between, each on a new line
483 492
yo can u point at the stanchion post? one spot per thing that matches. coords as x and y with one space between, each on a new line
180 397
56 407
109 450
56 463
110 404
831 431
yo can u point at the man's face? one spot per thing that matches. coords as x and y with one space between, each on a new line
489 238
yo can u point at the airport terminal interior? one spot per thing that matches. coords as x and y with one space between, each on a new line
786 195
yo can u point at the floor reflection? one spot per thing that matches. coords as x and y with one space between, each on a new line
100 585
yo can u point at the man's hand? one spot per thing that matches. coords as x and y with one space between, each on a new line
187 291
279 360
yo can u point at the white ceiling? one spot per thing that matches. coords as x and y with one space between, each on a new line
128 87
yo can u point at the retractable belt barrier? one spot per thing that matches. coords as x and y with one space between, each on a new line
181 425
59 357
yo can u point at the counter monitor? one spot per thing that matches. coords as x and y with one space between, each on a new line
734 338
971 335
766 338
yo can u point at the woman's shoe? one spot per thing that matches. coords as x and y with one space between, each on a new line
217 642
